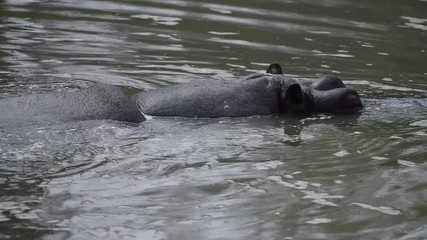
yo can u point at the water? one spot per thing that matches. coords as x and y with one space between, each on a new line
321 177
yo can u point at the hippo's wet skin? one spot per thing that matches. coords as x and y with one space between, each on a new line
100 101
261 94
257 94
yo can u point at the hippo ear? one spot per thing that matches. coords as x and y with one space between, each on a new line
275 68
294 95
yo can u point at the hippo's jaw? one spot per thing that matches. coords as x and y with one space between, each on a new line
338 100
352 104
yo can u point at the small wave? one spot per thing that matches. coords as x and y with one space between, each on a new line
386 210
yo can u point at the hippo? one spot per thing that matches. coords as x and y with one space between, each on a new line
257 94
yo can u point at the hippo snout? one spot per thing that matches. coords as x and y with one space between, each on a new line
338 100
348 101
352 103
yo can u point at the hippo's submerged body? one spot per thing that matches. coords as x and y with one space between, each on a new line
257 94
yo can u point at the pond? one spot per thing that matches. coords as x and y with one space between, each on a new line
269 177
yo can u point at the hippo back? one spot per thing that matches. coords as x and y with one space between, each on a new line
100 101
259 95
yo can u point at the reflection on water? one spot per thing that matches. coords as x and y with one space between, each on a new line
317 177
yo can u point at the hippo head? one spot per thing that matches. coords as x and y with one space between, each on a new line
305 99
325 95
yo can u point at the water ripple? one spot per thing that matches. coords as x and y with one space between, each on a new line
175 178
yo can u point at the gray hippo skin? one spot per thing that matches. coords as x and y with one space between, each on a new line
257 94
100 101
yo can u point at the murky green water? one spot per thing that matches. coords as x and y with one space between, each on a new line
325 177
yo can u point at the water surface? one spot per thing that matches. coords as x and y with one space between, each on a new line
270 177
